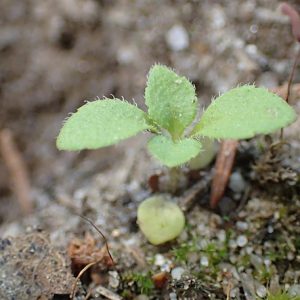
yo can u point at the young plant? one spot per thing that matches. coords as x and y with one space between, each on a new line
242 112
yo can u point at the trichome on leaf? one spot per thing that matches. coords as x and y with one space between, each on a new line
240 113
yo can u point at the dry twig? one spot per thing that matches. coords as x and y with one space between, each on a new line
187 201
72 295
17 170
223 169
88 266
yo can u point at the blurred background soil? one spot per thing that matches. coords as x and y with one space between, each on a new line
55 54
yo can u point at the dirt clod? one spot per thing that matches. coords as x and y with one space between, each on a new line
31 268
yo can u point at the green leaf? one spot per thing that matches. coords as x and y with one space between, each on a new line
171 153
204 158
171 100
244 112
160 219
101 123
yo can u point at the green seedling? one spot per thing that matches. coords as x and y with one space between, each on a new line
241 113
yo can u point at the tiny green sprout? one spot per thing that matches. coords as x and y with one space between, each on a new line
144 282
281 295
242 112
160 219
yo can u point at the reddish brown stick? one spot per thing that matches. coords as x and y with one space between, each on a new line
295 23
17 170
223 167
294 18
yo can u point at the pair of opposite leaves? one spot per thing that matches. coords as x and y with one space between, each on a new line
172 105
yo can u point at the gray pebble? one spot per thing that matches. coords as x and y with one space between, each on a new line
114 279
177 38
176 273
242 241
294 290
237 182
173 296
204 261
261 291
242 226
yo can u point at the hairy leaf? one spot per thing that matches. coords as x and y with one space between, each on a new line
171 100
101 123
160 219
244 112
172 153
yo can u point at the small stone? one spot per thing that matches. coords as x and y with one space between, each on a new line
294 290
176 273
221 236
173 296
232 244
270 229
126 55
267 262
177 38
249 250
290 256
261 291
159 260
237 182
114 279
242 226
233 259
242 241
162 262
253 28
235 293
218 17
257 262
276 215
204 261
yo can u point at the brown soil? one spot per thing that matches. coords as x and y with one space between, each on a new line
54 54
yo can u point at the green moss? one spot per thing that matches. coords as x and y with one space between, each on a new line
216 253
282 295
143 282
181 253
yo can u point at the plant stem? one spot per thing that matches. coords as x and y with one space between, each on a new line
174 177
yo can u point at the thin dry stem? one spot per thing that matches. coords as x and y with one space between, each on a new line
80 274
223 169
17 170
102 235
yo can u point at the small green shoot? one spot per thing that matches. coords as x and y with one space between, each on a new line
281 295
172 104
144 283
182 252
